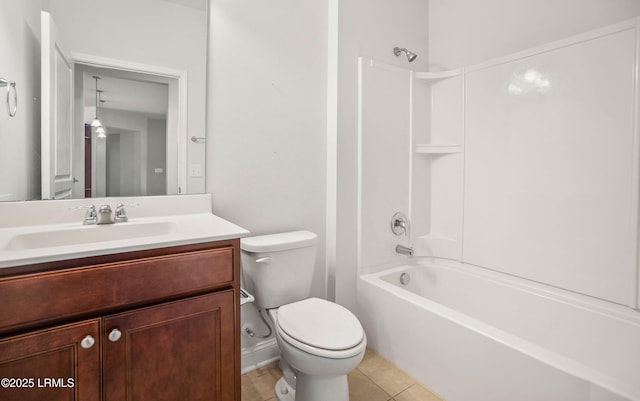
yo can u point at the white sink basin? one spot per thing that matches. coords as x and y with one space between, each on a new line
88 234
52 230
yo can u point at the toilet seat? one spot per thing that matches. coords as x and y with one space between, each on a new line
321 328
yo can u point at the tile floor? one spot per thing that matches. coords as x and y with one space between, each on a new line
375 379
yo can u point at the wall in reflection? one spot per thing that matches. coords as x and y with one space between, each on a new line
20 135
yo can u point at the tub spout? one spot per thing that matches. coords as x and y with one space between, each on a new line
404 250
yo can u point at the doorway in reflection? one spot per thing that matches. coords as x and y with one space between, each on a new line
132 154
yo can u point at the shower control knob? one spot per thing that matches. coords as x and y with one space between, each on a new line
87 342
114 335
400 224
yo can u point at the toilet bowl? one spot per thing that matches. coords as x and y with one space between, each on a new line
322 342
319 340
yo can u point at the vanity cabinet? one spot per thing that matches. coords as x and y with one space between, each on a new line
176 351
28 363
148 325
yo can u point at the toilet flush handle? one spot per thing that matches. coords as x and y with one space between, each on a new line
264 259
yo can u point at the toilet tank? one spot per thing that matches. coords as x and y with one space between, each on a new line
278 268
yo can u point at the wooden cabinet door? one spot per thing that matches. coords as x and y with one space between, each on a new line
52 365
182 350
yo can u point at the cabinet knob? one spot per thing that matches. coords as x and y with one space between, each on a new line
115 335
87 342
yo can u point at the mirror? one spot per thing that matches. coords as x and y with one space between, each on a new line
163 42
128 130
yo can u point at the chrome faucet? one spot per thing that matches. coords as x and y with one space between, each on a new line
404 250
105 215
91 216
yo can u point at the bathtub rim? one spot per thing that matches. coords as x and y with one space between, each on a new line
591 376
586 302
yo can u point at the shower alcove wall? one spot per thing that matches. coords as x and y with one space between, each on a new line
525 165
408 161
534 164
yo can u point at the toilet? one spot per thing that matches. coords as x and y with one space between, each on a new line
320 341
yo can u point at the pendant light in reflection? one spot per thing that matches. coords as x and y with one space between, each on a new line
96 121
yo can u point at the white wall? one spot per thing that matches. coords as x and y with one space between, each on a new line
131 181
464 32
151 32
128 124
113 172
266 117
369 28
156 157
20 135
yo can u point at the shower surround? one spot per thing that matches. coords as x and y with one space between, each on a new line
520 169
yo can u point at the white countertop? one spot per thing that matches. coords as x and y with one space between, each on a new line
162 221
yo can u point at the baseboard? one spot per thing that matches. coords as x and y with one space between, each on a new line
261 354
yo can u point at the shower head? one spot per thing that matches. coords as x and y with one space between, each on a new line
410 55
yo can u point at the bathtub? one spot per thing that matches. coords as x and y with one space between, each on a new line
471 334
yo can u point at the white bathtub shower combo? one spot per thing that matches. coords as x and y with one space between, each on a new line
523 202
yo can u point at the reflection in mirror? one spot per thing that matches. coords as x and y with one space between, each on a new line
164 35
128 155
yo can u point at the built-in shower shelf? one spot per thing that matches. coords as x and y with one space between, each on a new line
431 149
435 76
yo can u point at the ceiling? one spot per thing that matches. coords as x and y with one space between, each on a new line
126 91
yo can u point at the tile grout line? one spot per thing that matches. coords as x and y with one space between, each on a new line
404 390
380 387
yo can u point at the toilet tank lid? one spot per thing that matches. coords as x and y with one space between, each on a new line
278 242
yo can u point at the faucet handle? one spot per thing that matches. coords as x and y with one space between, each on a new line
400 224
121 213
91 216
